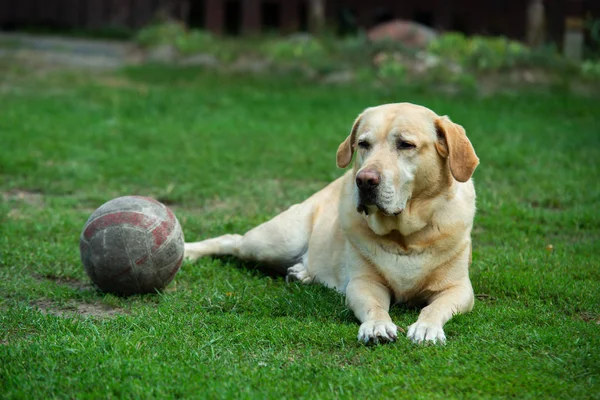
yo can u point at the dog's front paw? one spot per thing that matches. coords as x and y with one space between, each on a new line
377 331
420 332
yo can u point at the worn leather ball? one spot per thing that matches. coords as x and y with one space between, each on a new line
132 245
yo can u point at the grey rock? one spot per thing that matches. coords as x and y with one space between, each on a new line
300 37
166 53
411 34
251 64
201 60
339 77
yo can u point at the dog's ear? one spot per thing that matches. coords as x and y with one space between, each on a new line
346 149
453 144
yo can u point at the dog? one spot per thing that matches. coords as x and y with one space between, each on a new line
394 228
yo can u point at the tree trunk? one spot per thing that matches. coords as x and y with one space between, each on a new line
536 23
317 16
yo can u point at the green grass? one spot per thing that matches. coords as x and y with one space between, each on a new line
230 152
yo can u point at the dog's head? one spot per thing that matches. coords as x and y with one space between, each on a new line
404 151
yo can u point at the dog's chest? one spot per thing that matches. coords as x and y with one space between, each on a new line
395 261
402 268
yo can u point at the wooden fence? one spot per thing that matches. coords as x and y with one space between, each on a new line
497 17
86 14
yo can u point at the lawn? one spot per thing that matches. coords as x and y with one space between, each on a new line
229 152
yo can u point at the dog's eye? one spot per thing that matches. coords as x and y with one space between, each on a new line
402 145
363 144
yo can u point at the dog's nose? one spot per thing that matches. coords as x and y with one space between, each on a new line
367 179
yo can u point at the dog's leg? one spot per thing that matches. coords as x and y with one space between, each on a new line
370 301
219 246
442 306
280 242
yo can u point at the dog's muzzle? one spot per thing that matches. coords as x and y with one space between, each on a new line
367 182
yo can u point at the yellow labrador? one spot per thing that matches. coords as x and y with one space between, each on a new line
396 228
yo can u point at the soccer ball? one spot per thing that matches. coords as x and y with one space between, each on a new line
131 245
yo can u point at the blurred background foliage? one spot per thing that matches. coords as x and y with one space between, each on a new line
450 57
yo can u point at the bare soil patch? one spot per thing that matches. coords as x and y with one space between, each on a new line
66 281
73 308
21 197
590 317
25 196
121 83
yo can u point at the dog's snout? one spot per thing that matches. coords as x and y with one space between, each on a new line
367 179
